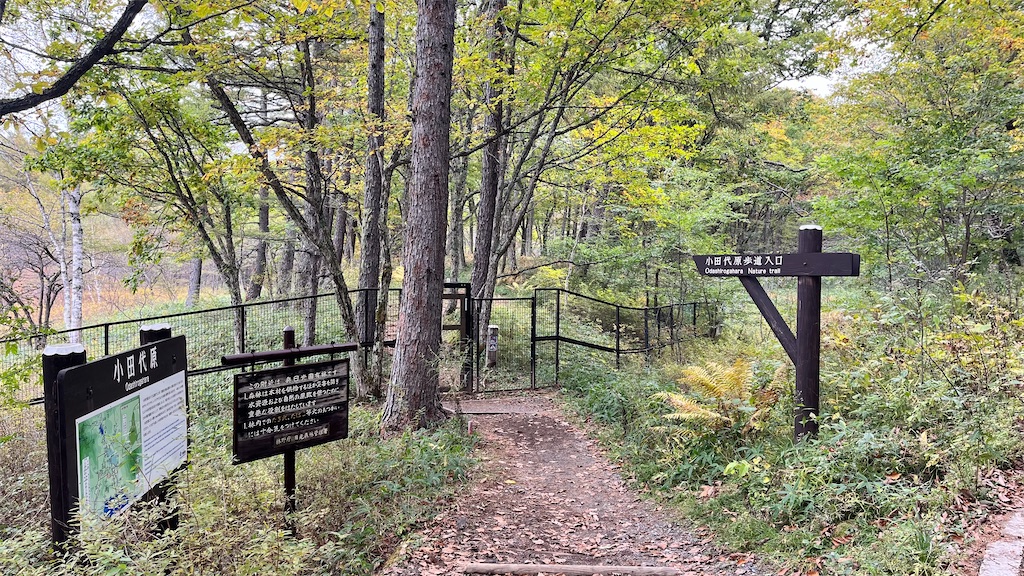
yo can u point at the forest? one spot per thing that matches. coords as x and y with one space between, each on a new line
181 153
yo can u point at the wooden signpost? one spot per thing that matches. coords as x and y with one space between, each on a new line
809 264
281 410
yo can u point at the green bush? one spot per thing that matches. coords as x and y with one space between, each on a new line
920 401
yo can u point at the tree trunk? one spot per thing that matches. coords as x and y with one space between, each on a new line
286 264
455 242
259 268
195 281
309 305
412 396
490 169
376 368
369 264
74 206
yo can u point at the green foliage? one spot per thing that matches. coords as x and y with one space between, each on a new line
928 150
920 407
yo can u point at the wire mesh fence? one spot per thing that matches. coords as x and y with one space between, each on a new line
508 366
531 335
578 328
211 334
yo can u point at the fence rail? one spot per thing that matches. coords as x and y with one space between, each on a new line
526 325
211 333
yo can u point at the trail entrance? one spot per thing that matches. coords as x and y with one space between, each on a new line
545 494
534 336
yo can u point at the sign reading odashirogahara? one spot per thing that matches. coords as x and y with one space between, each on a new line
290 408
126 425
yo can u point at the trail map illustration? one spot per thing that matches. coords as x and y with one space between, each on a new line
110 458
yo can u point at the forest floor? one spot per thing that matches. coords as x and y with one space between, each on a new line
545 494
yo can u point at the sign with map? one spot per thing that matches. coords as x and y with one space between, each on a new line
124 425
290 408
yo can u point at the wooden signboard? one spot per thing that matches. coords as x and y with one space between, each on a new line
808 264
289 408
116 428
811 264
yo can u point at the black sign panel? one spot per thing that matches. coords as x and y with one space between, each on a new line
290 408
808 264
123 425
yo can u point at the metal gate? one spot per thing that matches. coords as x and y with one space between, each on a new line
504 350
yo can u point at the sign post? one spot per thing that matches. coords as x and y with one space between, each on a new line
56 358
281 410
808 265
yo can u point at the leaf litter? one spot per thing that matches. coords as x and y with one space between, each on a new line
545 494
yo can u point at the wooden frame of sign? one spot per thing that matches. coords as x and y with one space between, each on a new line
808 265
116 428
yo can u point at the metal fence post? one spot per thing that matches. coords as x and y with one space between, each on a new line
533 340
647 337
245 333
558 330
618 334
466 338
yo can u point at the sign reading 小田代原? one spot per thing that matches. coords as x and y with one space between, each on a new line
807 264
289 408
125 425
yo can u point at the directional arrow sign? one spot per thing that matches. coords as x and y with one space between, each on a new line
807 264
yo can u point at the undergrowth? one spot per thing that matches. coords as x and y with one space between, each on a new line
920 412
357 499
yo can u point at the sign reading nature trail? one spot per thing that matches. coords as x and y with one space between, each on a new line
809 264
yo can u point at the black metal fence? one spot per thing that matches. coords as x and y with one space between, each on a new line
531 334
211 333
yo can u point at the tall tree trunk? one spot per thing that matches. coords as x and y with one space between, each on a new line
376 368
310 305
456 230
369 264
286 264
342 220
195 281
412 396
491 166
259 267
74 207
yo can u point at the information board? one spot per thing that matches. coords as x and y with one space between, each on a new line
124 425
289 408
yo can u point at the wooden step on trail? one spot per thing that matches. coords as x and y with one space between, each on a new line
568 569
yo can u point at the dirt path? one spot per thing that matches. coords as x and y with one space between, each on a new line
546 495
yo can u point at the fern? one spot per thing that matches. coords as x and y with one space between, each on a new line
719 382
688 410
728 387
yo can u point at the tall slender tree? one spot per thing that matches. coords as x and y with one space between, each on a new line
412 396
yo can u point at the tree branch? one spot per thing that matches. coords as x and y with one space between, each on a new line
79 68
